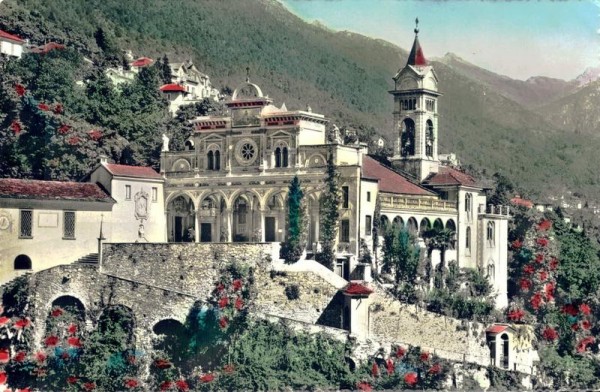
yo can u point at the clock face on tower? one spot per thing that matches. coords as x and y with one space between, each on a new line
246 152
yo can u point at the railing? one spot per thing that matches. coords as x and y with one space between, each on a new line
494 210
392 201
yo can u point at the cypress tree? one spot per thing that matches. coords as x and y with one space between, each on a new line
330 214
295 242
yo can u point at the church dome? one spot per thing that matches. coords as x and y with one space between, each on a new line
247 90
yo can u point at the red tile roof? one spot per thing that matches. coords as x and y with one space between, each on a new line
496 328
521 202
358 289
57 190
131 171
4 34
142 62
172 87
416 56
389 180
50 46
450 176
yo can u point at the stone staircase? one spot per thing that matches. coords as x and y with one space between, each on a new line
91 258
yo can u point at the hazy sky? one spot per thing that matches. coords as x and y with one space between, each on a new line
514 38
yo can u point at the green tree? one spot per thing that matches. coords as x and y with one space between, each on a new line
165 70
296 223
330 213
440 239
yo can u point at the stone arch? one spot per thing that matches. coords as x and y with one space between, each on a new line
181 210
181 165
424 226
412 225
68 301
316 160
451 225
438 224
212 217
429 138
22 262
398 222
238 192
170 338
189 145
407 137
384 221
246 205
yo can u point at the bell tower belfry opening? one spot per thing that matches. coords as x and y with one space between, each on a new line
416 115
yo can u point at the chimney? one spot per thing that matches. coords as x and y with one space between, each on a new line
103 159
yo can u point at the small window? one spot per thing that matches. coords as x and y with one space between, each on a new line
345 231
26 224
490 233
468 202
368 225
22 262
368 196
345 196
127 192
468 239
154 194
69 225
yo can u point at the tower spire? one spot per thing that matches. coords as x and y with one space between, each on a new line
416 56
417 26
247 74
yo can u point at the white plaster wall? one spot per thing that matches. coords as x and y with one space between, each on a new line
11 49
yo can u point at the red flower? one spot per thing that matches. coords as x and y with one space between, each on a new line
550 334
575 327
582 345
65 355
543 275
63 129
424 356
400 352
239 303
528 269
4 320
23 323
51 341
20 356
162 364
553 263
364 386
20 89
516 315
58 108
536 301
72 329
585 324
40 356
435 369
223 322
27 389
131 383
74 342
237 284
542 242
56 312
549 290
544 225
539 258
585 309
95 134
229 368
525 284
207 378
15 126
411 378
3 377
72 380
4 355
74 140
517 244
570 309
89 386
220 287
166 385
375 370
223 302
182 385
42 106
389 366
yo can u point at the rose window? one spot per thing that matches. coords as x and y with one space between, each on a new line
247 151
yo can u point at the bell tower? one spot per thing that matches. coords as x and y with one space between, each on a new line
416 115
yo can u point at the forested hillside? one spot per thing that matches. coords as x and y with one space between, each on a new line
344 75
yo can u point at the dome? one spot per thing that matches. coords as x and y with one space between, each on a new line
247 90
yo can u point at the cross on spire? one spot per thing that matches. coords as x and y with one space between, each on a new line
247 74
417 25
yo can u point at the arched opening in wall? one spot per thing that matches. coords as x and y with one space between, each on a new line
172 339
66 317
490 270
351 363
424 226
468 203
118 323
246 218
284 157
275 218
181 221
217 160
407 138
504 357
451 227
210 161
413 227
398 223
278 157
22 262
438 224
384 222
429 138
490 233
468 240
189 145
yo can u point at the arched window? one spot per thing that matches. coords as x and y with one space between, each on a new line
217 160
284 156
210 161
468 202
468 239
22 262
407 138
429 139
189 146
278 157
490 270
490 233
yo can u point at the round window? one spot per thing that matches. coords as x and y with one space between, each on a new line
246 152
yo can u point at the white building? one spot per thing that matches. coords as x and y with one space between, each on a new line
11 45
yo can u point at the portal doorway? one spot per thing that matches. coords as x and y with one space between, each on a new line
205 232
270 229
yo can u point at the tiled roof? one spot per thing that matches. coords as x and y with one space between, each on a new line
357 288
496 328
389 180
131 171
12 37
172 87
521 202
450 176
142 62
51 190
416 56
50 46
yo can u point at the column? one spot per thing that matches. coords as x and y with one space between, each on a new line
197 226
262 225
228 223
